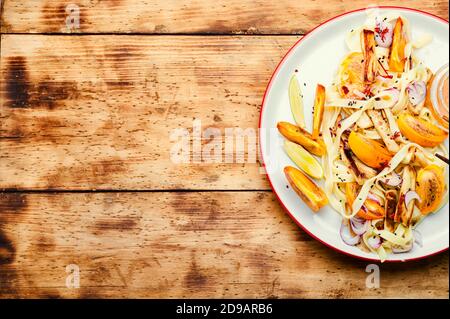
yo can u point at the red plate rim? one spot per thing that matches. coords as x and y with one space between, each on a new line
260 119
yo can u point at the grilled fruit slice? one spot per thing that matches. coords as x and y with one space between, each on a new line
420 131
319 106
371 208
397 57
303 159
308 191
296 102
368 47
391 203
404 213
351 76
300 136
430 188
370 152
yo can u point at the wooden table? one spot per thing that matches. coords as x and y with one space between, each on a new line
85 167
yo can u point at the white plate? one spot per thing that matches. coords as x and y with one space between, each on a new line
316 57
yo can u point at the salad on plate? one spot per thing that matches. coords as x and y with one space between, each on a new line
377 140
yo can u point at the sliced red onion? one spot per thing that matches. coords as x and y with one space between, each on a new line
417 91
374 198
392 180
418 239
359 225
347 236
364 208
384 33
399 250
374 242
411 195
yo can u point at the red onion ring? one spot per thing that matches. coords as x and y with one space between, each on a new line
347 237
417 91
364 208
411 195
374 242
384 33
359 225
374 198
392 180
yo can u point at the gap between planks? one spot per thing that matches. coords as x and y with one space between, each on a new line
83 191
158 34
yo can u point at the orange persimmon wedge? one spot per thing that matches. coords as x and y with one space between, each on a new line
397 57
308 191
371 209
300 136
420 131
370 152
351 75
319 107
430 188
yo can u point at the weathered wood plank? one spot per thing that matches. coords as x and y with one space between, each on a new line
213 244
188 16
96 112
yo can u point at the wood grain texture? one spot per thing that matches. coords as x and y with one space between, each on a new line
188 16
203 244
96 112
